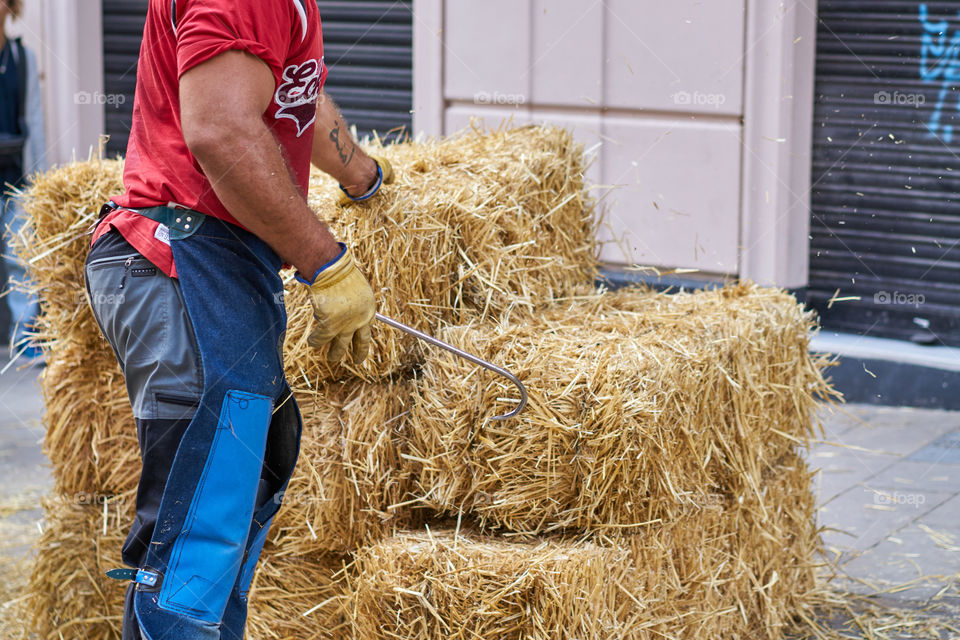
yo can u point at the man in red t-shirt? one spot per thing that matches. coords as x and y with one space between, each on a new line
183 281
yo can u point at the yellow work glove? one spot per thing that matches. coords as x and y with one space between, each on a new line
343 307
384 176
386 168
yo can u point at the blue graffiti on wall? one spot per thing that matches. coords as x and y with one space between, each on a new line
940 61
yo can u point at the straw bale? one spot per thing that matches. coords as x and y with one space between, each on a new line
639 402
729 565
349 473
62 205
298 596
69 596
444 585
91 438
780 547
474 225
723 565
292 596
350 484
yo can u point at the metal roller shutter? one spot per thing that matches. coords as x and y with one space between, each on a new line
886 170
123 22
368 48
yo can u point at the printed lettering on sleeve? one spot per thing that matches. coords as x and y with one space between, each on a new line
297 95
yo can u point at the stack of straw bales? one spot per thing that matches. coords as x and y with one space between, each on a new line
652 488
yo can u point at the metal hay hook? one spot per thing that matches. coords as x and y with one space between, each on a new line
466 356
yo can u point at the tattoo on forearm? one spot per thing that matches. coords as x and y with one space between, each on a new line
345 158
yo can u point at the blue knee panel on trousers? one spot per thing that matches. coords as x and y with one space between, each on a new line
211 545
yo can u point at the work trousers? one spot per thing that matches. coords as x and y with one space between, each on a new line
218 427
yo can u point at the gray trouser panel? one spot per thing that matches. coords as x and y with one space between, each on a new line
141 312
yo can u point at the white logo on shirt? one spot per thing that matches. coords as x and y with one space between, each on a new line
297 95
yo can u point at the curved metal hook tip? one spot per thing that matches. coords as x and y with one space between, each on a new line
466 356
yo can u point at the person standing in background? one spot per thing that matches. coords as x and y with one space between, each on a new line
22 152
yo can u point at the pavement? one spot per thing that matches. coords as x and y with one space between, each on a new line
889 496
888 492
24 469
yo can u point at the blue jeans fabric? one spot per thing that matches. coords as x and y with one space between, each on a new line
211 485
23 307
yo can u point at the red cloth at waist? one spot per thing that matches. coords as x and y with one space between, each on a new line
142 233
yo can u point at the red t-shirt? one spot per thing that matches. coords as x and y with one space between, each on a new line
179 35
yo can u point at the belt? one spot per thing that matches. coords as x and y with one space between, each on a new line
181 221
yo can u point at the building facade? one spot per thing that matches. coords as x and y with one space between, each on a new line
802 144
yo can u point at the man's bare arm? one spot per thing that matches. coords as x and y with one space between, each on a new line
336 152
222 103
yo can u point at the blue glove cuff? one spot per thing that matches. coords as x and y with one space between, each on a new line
373 190
299 277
